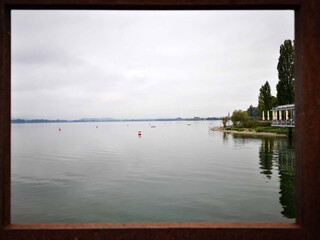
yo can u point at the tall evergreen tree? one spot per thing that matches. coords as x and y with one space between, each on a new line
265 98
285 86
274 101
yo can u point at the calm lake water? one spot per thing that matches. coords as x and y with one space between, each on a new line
174 172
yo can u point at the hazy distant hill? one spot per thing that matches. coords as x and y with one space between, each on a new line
19 120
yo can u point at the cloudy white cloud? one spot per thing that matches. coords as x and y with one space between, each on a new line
138 64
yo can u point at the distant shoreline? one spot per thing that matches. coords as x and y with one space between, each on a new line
248 132
96 120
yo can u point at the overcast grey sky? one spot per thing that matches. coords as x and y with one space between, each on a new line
143 64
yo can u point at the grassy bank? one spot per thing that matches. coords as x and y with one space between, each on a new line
270 129
277 130
256 127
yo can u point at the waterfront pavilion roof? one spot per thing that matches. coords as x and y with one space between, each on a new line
283 107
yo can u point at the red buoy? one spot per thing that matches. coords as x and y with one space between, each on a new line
139 133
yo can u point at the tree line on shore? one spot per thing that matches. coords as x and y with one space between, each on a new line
266 101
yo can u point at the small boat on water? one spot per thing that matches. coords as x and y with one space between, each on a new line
153 126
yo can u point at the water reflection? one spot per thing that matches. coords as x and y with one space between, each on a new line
277 159
286 166
266 156
225 137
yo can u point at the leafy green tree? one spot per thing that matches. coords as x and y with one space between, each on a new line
285 86
265 98
253 112
239 116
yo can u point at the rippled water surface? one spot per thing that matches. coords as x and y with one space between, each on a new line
174 172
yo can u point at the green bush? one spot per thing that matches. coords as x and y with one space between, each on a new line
250 124
263 124
238 129
272 130
254 124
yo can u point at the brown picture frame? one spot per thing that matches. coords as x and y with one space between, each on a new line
307 100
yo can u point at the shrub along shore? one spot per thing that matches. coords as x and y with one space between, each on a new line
254 128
